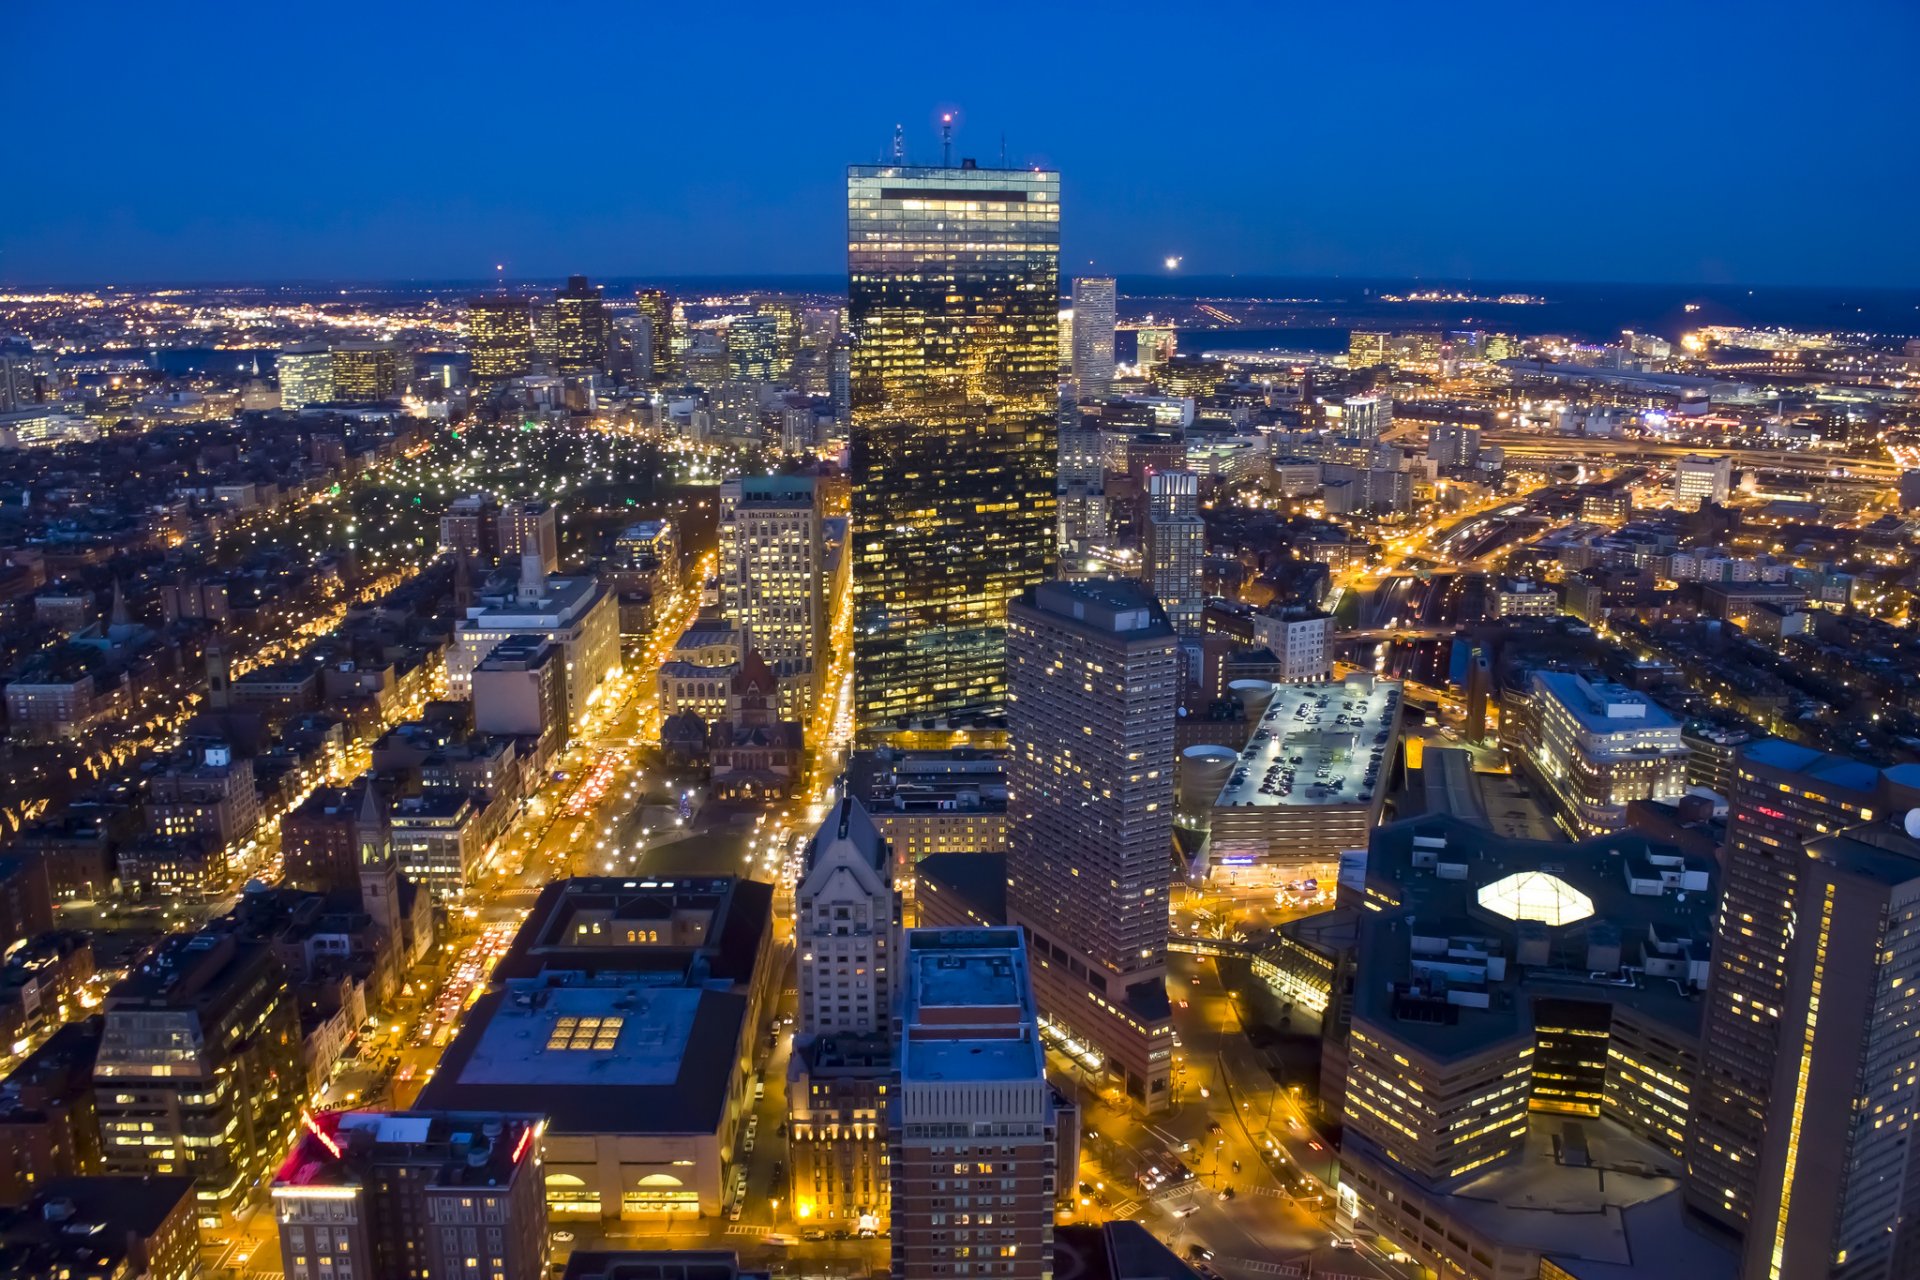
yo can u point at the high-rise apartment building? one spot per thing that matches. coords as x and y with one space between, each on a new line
500 338
771 567
580 328
972 1122
434 1195
1783 795
1176 548
847 932
1093 676
953 298
1454 444
1094 302
199 1069
1839 1168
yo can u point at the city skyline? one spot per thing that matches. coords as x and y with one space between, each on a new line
1392 164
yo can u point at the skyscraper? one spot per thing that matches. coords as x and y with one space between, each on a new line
1176 548
770 567
1092 674
753 347
499 338
972 1123
1783 795
953 297
580 327
1094 301
1839 1170
657 307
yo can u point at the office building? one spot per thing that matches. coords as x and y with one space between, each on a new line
657 307
753 348
1525 1014
26 376
1783 795
1838 1165
580 337
1093 679
626 1012
1094 302
575 613
1367 348
972 1122
366 372
771 567
1599 746
1154 346
1699 479
953 296
520 690
1300 637
1175 547
1366 417
370 1195
1310 782
199 1067
306 375
929 802
499 339
847 932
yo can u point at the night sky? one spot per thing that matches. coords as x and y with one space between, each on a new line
1687 141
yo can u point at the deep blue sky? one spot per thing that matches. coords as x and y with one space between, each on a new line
1684 141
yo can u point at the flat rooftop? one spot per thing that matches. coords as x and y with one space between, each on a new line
1317 745
613 1057
967 979
958 1061
1620 1210
1603 707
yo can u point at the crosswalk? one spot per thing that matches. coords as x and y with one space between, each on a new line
745 1229
1126 1209
1260 1266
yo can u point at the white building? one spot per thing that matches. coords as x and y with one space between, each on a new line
847 927
1094 301
771 567
1301 638
575 613
1600 746
1366 417
1697 478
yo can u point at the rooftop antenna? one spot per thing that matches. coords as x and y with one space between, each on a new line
946 140
1003 148
899 145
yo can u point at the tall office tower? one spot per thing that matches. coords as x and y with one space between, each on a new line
840 381
847 930
1083 493
953 294
500 338
1366 417
1093 675
1094 301
789 322
579 328
365 372
437 1195
1367 348
753 347
657 307
1840 1171
1783 795
770 567
306 375
546 334
199 1068
972 1119
1176 548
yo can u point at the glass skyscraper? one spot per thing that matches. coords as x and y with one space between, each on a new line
953 297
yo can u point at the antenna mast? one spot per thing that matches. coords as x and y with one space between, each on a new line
899 145
946 140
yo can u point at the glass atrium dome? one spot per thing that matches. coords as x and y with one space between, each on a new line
1535 895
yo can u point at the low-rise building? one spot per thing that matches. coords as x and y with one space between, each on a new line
1599 746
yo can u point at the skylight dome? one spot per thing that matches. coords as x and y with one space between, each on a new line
1535 895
